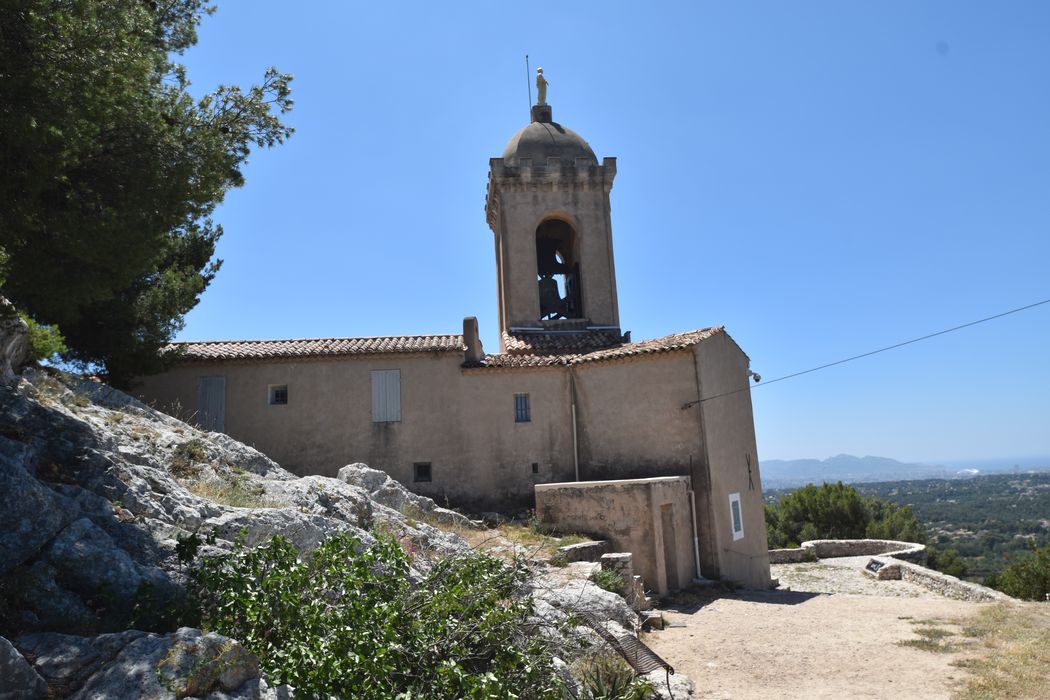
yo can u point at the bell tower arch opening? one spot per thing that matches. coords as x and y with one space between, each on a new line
558 271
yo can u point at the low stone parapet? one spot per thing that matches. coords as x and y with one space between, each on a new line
795 555
891 568
584 551
830 549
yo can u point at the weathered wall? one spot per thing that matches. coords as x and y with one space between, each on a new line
461 422
630 421
730 466
628 513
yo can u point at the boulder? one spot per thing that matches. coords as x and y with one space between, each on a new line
90 563
134 664
14 342
392 494
30 512
18 680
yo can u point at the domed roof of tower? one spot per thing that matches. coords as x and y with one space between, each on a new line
543 139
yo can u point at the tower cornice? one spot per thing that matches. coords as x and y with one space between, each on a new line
584 175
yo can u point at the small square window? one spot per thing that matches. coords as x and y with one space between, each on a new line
278 394
421 471
736 516
522 414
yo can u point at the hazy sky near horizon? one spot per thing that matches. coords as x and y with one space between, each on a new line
823 178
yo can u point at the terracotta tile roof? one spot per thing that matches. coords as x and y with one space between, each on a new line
669 343
560 343
316 347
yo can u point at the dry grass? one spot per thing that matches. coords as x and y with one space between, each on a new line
236 492
934 639
1014 653
540 542
498 540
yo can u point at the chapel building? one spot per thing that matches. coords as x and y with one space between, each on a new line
568 396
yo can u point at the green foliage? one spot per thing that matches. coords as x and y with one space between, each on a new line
112 170
608 677
837 511
349 622
947 561
1028 577
186 456
989 519
609 580
45 342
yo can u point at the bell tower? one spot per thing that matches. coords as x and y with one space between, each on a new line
548 208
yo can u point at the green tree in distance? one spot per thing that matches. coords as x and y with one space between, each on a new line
837 511
1027 578
111 170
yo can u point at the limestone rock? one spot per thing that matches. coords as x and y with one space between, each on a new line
581 596
390 493
681 685
97 489
30 512
89 561
14 341
18 680
186 663
66 662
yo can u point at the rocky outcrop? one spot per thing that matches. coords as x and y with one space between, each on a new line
134 664
18 680
97 490
14 341
103 503
392 494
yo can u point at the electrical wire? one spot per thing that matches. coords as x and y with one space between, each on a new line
873 352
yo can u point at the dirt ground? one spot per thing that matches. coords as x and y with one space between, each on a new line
834 634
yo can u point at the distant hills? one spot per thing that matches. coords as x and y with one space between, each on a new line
780 473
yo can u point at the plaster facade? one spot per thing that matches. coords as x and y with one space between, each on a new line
650 518
567 398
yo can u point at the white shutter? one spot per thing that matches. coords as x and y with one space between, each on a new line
386 395
211 403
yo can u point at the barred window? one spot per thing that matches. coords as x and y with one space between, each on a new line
278 394
421 471
521 408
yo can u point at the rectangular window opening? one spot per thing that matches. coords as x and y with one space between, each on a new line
535 467
278 394
736 515
386 395
522 414
421 471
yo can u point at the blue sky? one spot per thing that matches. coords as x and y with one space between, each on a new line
823 178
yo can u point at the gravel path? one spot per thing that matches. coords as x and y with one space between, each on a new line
833 635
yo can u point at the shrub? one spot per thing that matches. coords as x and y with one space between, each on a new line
609 580
1027 578
349 622
608 677
186 456
45 342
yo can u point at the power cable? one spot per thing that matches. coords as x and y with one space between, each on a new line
873 352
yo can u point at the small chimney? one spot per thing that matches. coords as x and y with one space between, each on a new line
474 353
